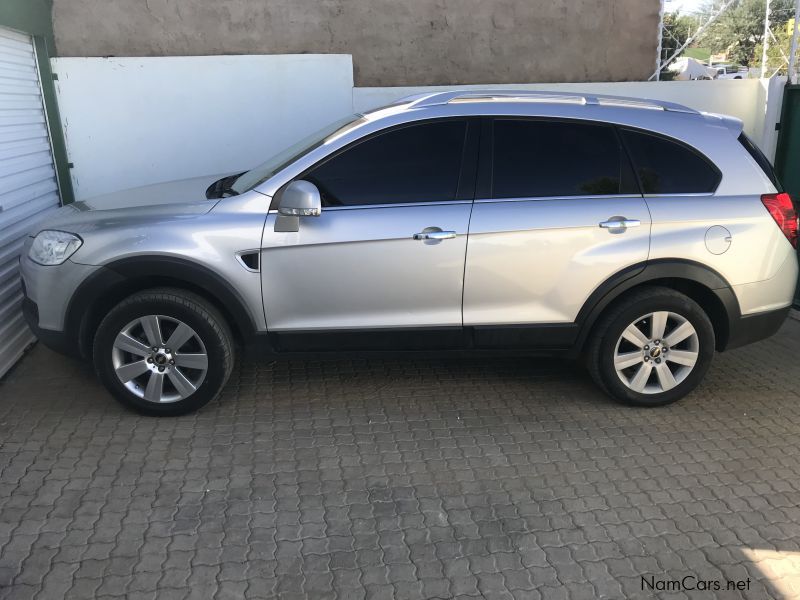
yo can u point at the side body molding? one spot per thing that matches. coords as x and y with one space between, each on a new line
112 283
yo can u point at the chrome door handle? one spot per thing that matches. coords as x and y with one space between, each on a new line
620 223
435 235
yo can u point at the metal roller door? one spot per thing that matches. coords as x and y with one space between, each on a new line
28 185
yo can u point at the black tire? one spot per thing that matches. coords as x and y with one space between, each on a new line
606 334
209 325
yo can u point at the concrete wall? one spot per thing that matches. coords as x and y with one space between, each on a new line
413 42
134 121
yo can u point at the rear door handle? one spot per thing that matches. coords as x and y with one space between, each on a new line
620 223
435 235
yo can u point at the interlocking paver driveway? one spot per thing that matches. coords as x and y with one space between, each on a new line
402 478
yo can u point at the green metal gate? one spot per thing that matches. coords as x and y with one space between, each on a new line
787 156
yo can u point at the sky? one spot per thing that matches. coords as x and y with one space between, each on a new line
683 5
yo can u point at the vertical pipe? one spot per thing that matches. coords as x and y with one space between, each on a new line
793 51
765 42
661 40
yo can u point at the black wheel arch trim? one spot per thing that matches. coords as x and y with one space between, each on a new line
654 270
122 277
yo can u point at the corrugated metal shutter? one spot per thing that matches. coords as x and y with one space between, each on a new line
28 184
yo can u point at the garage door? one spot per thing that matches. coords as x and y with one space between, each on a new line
28 186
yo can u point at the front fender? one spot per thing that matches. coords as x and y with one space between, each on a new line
116 280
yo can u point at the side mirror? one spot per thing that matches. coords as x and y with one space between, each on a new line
298 199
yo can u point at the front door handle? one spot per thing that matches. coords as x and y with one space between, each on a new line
435 235
620 223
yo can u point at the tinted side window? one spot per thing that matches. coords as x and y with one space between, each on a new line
543 158
418 163
666 167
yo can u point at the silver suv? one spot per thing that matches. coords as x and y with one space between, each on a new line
639 235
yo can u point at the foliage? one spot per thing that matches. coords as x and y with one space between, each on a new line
739 31
701 54
776 50
677 29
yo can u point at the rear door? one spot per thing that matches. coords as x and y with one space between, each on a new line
558 212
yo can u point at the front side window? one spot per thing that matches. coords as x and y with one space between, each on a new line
667 167
535 158
415 163
287 156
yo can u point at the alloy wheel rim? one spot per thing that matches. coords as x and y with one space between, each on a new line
656 352
159 359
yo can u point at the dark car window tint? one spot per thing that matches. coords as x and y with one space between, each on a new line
419 163
541 158
666 167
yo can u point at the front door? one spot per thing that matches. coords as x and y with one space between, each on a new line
383 265
560 213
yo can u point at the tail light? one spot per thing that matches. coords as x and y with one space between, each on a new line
781 208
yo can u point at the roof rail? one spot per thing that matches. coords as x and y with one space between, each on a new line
438 98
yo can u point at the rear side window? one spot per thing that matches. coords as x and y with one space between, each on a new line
551 158
762 160
667 167
418 163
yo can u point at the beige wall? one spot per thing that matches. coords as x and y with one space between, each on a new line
393 42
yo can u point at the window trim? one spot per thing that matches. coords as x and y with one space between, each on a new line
622 128
396 204
467 175
551 198
485 185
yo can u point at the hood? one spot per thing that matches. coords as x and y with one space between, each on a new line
170 192
181 199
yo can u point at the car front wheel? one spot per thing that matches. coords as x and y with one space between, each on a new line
163 352
652 348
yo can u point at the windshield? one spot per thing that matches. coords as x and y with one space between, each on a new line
282 159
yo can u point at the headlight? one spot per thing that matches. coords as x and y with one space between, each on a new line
53 247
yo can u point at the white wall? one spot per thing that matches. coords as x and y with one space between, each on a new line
743 98
768 113
134 121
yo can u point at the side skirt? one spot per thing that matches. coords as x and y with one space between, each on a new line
542 339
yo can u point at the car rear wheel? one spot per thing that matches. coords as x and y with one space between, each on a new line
164 352
652 348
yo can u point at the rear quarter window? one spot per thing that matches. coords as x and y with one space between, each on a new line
664 166
539 158
762 160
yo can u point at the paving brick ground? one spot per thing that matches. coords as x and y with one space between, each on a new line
402 479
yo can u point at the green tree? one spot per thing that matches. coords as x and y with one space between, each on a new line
677 29
740 29
776 50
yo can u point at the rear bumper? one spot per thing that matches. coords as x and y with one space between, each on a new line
753 328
